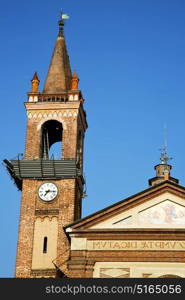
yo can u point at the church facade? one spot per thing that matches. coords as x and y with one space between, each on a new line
141 236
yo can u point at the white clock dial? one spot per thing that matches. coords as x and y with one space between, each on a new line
48 191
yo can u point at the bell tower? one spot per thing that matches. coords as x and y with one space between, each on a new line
52 187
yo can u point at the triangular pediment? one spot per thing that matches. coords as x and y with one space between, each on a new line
158 207
163 211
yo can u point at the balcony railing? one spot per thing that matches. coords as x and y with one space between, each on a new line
42 169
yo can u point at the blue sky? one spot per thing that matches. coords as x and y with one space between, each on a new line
129 55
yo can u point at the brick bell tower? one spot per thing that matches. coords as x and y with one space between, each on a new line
52 188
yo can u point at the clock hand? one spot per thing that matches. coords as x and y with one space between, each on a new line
47 192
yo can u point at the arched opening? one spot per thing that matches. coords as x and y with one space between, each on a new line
169 276
51 140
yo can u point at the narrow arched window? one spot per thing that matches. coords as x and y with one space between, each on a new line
45 244
80 149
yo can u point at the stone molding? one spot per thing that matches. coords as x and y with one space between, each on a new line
52 114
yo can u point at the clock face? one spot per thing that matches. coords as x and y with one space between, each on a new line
48 191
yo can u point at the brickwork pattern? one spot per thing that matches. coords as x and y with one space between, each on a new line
67 205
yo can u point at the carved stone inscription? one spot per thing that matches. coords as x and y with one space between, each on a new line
136 245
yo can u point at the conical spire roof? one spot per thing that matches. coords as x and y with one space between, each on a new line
35 77
59 75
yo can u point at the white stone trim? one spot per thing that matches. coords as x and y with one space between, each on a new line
78 243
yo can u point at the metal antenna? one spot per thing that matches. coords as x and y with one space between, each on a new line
60 15
164 155
165 137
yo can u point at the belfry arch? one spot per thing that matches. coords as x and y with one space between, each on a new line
51 133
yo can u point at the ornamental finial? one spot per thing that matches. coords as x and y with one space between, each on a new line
61 23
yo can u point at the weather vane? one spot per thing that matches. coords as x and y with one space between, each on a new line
164 155
63 16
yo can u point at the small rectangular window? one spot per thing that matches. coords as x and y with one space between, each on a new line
45 244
